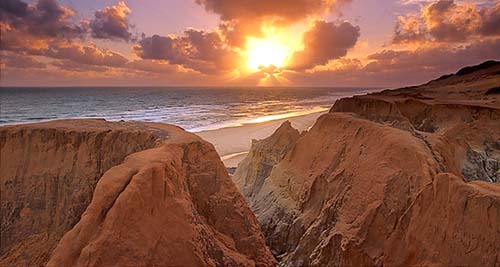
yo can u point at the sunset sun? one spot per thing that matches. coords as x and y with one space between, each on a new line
266 52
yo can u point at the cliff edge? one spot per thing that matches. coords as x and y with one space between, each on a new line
97 193
401 178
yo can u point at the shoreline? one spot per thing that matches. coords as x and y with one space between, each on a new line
233 143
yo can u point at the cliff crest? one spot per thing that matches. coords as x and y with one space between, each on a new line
126 192
401 177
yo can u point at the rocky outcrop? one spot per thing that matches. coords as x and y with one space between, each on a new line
48 174
120 194
262 157
450 223
398 178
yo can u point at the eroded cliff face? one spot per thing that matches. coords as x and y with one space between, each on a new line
403 177
264 155
120 194
47 176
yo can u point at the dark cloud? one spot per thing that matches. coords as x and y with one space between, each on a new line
45 18
10 9
323 42
202 51
12 60
447 21
111 23
46 28
491 20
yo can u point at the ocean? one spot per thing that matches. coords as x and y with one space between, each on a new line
194 109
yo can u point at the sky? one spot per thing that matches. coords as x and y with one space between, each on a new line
341 43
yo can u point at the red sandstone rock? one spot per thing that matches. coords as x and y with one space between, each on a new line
48 172
384 179
171 204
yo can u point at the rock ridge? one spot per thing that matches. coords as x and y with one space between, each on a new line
155 185
405 177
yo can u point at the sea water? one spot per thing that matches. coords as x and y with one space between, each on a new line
194 109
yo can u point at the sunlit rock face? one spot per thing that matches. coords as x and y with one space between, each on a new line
402 177
95 193
48 175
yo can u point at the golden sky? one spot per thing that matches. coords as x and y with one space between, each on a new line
243 42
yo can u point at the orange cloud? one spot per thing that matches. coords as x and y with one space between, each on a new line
242 18
447 21
399 67
285 10
203 51
12 60
154 66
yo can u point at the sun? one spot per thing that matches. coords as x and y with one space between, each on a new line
266 52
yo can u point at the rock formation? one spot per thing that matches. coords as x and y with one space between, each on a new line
120 194
263 156
401 177
407 177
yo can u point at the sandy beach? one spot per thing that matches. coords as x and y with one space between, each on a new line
233 143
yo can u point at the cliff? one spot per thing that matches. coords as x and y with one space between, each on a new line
401 177
263 156
96 193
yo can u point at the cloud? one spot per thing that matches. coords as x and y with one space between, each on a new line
399 68
323 42
85 54
45 18
447 21
60 49
286 10
203 51
112 23
431 59
10 9
12 60
491 20
409 29
242 18
68 65
46 29
154 66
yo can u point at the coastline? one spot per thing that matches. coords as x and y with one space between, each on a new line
233 143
